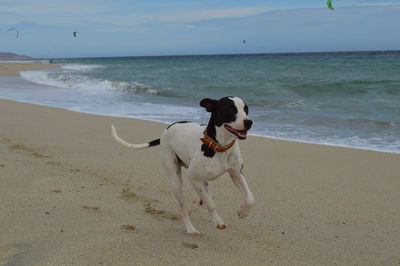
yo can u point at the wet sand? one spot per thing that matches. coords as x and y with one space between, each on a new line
13 68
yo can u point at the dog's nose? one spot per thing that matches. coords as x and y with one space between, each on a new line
247 124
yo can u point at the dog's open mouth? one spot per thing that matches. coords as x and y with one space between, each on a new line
241 134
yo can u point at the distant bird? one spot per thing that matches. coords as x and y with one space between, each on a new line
244 41
16 31
75 34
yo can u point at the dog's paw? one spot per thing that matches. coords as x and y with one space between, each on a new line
192 231
243 212
221 226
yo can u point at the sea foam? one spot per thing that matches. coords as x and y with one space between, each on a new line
80 67
82 82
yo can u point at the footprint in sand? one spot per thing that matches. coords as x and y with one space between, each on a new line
74 170
40 155
159 213
91 209
54 163
28 151
130 196
128 227
190 245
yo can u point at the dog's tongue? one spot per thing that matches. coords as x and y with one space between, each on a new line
242 132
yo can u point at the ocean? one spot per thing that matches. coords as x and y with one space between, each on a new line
340 99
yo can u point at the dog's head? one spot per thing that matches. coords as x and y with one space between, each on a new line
229 113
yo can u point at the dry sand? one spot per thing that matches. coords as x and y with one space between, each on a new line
12 69
70 195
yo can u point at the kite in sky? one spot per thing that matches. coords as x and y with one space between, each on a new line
329 4
75 34
16 32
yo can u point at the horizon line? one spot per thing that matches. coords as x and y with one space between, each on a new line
236 54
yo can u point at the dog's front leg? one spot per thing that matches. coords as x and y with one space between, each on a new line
241 183
201 189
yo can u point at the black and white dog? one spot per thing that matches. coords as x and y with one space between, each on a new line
207 152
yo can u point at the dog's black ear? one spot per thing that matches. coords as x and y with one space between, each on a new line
208 104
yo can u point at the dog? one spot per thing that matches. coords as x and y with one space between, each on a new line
207 152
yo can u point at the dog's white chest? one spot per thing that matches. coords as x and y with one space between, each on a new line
211 168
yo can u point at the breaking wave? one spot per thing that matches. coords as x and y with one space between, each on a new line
82 82
80 67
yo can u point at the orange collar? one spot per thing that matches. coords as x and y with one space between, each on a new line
212 144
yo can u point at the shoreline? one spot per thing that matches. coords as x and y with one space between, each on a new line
252 135
13 68
165 124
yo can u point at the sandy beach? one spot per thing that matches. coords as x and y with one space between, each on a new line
70 195
13 68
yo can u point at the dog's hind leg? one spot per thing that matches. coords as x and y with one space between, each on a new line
173 171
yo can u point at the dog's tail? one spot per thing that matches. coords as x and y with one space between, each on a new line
133 146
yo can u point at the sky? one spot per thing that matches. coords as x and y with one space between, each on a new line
171 27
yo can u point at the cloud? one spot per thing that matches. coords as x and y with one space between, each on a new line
122 14
8 18
207 14
312 29
136 29
48 7
50 12
367 4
